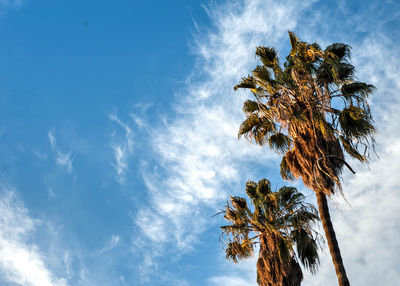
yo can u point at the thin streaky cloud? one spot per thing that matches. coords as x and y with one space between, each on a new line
63 159
122 148
52 139
199 153
112 243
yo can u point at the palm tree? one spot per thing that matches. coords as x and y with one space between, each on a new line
279 222
311 110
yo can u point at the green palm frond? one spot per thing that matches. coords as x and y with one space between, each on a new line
262 75
250 106
263 187
345 72
251 189
231 215
356 123
359 90
279 142
293 42
247 82
257 128
252 122
307 249
239 203
289 196
237 250
268 56
339 50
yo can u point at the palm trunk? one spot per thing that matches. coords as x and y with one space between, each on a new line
331 238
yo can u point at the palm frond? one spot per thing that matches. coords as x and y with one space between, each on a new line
262 75
247 82
256 128
263 187
237 250
289 195
268 56
252 122
339 50
279 142
293 42
355 123
250 106
357 89
307 249
353 152
251 189
239 203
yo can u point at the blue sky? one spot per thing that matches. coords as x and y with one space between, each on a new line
118 127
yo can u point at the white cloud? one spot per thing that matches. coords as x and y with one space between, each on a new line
202 158
62 159
21 261
231 281
198 151
114 240
243 273
123 149
67 263
40 155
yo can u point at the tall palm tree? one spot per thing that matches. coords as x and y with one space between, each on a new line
311 110
279 222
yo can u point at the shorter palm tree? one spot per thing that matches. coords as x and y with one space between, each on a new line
281 223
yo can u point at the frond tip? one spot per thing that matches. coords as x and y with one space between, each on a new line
268 56
250 106
247 82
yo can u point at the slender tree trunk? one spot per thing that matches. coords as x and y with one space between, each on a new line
331 238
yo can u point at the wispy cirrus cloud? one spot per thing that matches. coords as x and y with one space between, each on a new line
242 274
123 148
21 261
63 159
113 242
35 252
201 159
198 155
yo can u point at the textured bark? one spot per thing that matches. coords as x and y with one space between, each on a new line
331 238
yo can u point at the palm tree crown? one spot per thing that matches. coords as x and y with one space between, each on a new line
311 109
280 222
